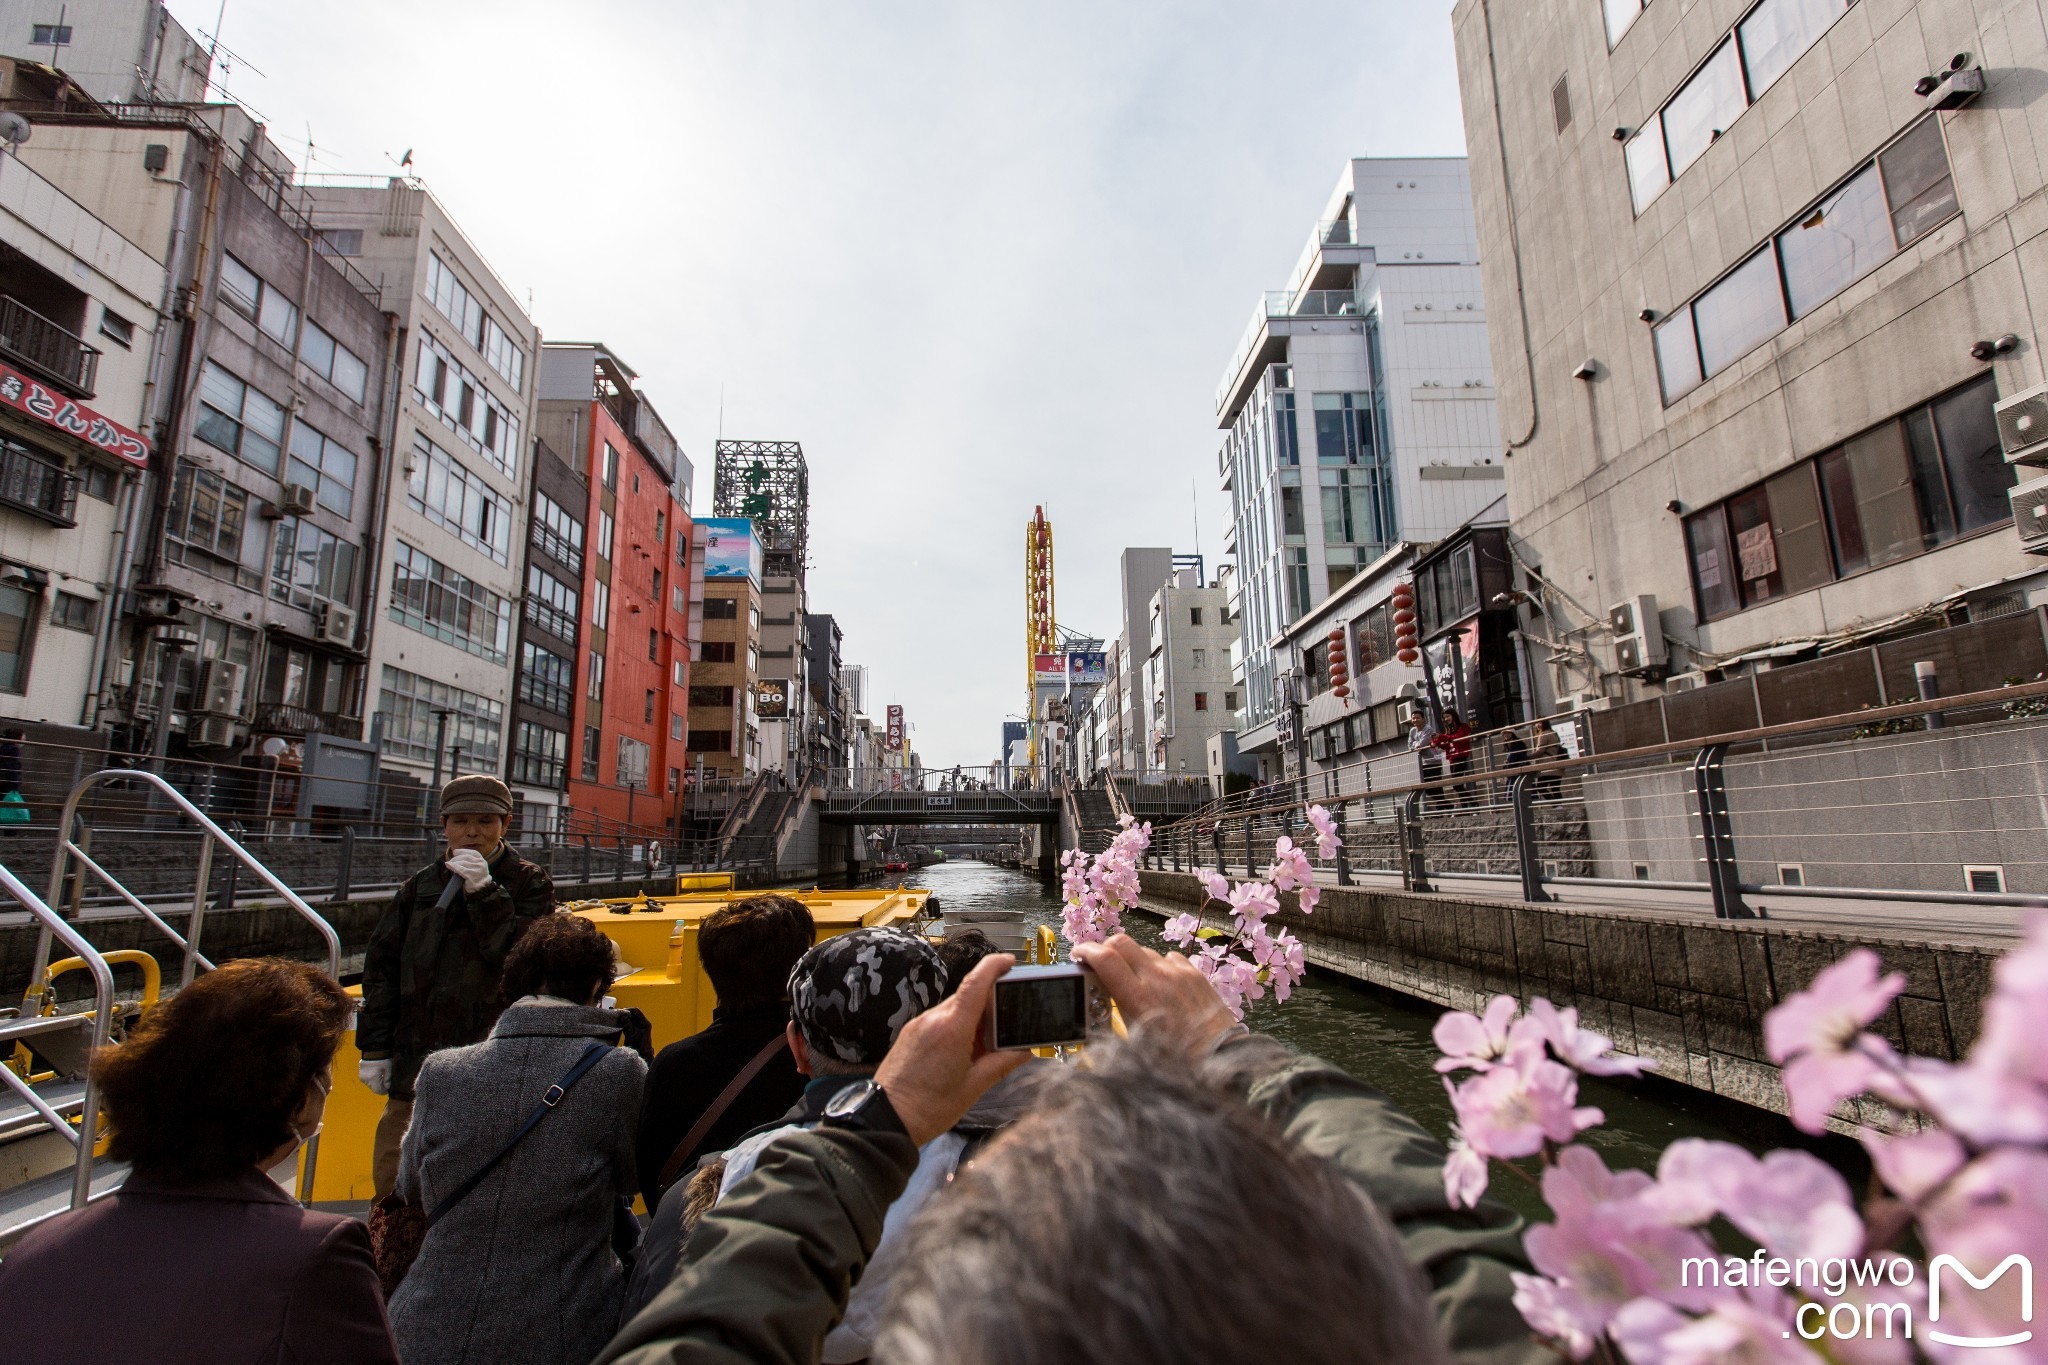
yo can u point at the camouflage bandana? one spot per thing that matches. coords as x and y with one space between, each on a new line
853 993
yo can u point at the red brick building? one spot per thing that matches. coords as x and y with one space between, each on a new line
630 730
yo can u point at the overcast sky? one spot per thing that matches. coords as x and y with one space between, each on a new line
974 256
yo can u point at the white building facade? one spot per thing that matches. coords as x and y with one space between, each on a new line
1358 407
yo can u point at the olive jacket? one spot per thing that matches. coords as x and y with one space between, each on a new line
768 1270
430 976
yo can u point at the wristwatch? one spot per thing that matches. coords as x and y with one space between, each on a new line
864 1108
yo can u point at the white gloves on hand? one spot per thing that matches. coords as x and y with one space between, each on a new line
376 1075
469 865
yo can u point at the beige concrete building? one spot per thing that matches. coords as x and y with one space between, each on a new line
1757 271
446 580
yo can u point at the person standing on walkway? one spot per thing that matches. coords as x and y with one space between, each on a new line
430 975
1456 745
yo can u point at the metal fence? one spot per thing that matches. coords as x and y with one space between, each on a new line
1938 801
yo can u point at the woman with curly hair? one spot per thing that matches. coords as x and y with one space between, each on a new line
212 1090
521 1269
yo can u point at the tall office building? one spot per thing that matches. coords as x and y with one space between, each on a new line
1358 406
769 484
1759 272
447 571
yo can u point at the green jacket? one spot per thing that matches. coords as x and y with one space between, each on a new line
430 977
767 1271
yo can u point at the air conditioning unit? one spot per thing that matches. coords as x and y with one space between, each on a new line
2023 426
337 626
2030 514
213 732
222 688
297 500
1584 701
1685 682
1638 634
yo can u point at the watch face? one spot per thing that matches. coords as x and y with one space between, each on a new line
848 1101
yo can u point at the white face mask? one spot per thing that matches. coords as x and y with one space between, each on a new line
285 1171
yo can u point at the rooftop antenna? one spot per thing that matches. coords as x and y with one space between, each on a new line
721 409
1195 497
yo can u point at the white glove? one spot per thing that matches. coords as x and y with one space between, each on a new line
469 865
376 1075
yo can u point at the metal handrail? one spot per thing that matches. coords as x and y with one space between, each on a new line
68 848
1848 720
53 925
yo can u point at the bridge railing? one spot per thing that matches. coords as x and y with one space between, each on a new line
1942 802
1000 777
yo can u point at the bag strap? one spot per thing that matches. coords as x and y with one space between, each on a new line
673 1167
552 1097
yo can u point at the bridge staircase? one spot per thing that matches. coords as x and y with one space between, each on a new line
52 1152
1093 816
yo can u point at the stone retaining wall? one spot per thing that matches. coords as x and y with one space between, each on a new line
1690 996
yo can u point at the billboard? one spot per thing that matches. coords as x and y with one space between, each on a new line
1049 670
771 699
731 549
1087 669
895 740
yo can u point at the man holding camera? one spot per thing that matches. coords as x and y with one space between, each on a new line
430 975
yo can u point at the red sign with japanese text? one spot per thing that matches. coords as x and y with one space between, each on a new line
71 417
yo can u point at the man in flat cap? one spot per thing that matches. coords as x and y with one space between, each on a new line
430 976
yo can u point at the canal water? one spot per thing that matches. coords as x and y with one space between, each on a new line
1383 1039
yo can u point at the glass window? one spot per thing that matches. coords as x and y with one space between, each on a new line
238 419
1703 109
321 354
324 465
446 493
18 612
1678 355
73 612
279 317
461 400
311 564
1778 32
1648 171
207 528
1978 475
594 679
1286 438
1706 538
592 738
551 604
435 600
546 679
557 534
1756 550
611 467
1798 530
1292 522
1869 485
239 285
606 529
1620 14
540 755
1917 186
1343 427
721 609
600 604
1846 236
1745 308
410 705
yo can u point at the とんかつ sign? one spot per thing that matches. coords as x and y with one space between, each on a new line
74 419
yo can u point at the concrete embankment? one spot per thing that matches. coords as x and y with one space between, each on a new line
1689 995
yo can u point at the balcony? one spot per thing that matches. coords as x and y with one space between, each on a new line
46 349
1257 347
279 718
42 488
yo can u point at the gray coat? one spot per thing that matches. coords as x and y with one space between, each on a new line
522 1270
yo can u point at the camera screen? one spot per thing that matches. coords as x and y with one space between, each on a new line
1039 1012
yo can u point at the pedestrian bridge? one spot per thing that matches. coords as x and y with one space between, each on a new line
954 796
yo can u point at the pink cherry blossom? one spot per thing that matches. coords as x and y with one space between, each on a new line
1914 1165
1995 1207
1180 930
1253 901
1214 883
1470 1042
1554 1314
1982 1105
1818 1036
1753 1328
1327 842
2010 1041
1606 1247
1307 896
1791 1202
1581 1049
1514 1108
1290 866
1465 1175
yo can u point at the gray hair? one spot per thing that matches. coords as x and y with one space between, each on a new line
1139 1212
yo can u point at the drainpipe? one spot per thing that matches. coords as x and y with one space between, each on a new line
1500 139
392 381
